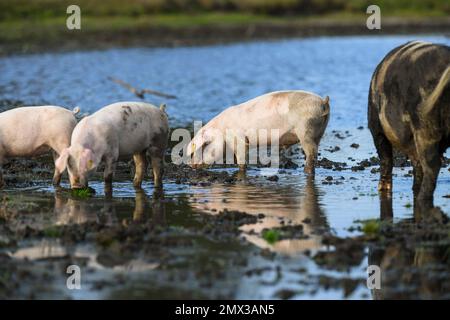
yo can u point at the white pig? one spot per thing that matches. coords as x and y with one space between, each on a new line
299 116
35 130
119 130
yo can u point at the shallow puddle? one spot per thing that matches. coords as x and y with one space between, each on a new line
190 242
199 263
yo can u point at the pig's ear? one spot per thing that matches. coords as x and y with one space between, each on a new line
61 162
326 105
88 160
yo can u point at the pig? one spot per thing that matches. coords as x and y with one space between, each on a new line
300 116
118 131
35 130
409 110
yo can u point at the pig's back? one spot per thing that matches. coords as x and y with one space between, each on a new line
131 115
280 102
27 118
119 111
29 113
133 123
24 129
275 109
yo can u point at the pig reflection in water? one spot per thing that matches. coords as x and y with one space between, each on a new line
104 211
300 204
73 211
416 268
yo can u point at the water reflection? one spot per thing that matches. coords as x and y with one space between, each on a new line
281 206
69 210
76 211
183 258
414 264
105 210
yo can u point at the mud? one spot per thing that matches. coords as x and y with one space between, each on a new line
218 233
184 252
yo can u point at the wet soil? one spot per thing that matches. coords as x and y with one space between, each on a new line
164 246
218 233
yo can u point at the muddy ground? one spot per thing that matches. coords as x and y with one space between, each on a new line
163 246
179 244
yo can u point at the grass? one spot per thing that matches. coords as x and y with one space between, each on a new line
22 29
82 193
271 236
52 232
25 23
43 9
371 227
55 27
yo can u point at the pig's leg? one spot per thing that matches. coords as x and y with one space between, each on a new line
310 146
418 175
384 149
58 145
57 174
430 159
241 160
140 162
157 167
241 156
157 159
110 166
239 148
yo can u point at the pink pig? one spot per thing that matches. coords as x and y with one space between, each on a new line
33 131
119 130
297 116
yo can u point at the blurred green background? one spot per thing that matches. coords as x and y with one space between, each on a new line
37 22
38 9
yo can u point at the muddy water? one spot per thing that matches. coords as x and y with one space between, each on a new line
142 244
